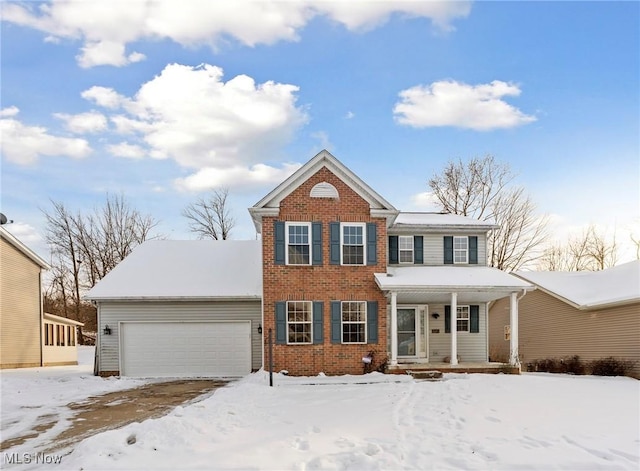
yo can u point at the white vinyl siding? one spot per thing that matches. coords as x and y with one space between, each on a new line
433 249
111 313
472 347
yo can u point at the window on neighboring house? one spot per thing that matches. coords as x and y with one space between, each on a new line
298 244
60 335
299 317
354 322
48 334
353 244
405 249
460 250
507 332
462 319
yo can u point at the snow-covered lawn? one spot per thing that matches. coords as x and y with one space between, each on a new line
532 421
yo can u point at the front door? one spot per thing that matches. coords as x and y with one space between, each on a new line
407 345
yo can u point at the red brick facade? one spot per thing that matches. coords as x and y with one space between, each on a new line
324 282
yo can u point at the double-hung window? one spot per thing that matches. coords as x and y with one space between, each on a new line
461 250
299 322
298 243
462 319
354 322
405 249
353 246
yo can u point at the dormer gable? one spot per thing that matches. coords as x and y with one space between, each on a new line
270 204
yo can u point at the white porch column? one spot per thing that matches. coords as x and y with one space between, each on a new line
513 322
454 329
394 329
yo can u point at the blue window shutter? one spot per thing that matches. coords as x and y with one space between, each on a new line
336 322
334 236
316 243
448 250
418 256
473 249
447 319
372 243
279 239
393 250
318 334
372 321
281 322
474 319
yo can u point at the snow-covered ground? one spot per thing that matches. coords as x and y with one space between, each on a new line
533 421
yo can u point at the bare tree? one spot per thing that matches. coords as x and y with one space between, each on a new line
210 217
480 188
636 243
589 251
85 247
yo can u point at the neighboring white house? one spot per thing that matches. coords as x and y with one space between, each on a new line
59 340
590 314
181 308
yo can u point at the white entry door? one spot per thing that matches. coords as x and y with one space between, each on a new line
185 349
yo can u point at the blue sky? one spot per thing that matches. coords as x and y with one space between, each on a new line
162 102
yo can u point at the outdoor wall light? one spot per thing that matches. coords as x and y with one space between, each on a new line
435 315
107 330
259 328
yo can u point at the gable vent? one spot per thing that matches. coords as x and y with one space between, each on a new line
324 190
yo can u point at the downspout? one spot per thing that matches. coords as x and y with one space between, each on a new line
96 357
41 317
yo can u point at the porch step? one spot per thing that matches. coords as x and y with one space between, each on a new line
427 375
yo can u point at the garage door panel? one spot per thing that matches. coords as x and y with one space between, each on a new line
183 349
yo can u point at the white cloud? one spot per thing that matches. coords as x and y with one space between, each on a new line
126 150
425 201
8 112
349 115
256 176
23 144
189 114
24 232
323 139
82 123
107 28
450 103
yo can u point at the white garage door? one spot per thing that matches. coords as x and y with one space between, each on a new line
185 349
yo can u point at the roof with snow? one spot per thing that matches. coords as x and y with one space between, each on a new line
590 290
484 283
180 269
439 220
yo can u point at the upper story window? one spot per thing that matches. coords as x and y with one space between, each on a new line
353 244
460 250
299 322
405 249
298 243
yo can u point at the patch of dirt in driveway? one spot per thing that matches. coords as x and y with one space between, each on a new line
117 409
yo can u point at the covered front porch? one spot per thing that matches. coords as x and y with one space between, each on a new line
438 317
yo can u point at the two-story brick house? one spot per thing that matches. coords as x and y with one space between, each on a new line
346 273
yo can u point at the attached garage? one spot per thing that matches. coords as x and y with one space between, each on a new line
182 309
179 349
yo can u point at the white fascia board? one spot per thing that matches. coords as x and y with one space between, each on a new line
175 298
258 213
61 320
389 214
440 229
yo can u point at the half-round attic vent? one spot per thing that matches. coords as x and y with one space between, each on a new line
324 190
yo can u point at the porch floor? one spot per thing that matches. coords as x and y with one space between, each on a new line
468 367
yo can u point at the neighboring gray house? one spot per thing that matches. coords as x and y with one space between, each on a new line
160 309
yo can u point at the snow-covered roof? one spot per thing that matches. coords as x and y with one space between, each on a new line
449 279
186 269
61 320
589 290
439 220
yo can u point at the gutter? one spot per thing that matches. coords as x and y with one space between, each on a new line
177 298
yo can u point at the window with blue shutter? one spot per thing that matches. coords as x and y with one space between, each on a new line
279 241
372 321
281 322
336 322
334 243
418 251
473 249
318 334
316 243
393 250
372 243
448 250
